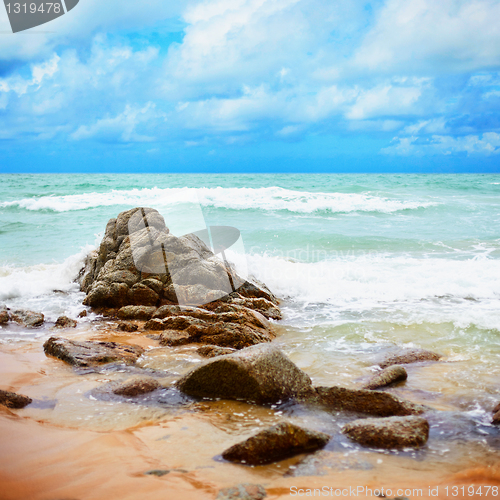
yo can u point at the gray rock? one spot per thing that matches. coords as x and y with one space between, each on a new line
391 432
406 356
390 375
377 403
27 318
13 400
260 374
65 322
137 386
136 312
88 353
281 441
244 491
211 351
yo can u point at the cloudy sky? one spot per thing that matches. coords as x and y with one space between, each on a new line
254 85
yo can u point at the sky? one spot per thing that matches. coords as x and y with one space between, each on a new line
254 86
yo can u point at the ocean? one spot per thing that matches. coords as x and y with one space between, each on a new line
362 264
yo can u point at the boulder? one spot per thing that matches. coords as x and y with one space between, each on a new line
281 441
137 386
13 400
65 322
27 318
260 374
244 491
387 376
4 316
391 432
406 356
369 402
210 351
136 312
127 327
89 353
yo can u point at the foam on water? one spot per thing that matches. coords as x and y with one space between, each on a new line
266 198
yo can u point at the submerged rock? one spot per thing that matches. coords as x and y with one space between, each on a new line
4 316
211 351
406 356
281 441
137 386
88 353
260 374
369 402
391 432
65 322
13 400
27 318
387 376
244 491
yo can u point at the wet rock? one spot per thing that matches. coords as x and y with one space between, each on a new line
27 318
127 327
391 432
65 322
377 403
236 303
166 310
254 289
88 353
172 338
82 314
497 408
496 418
13 400
4 316
210 351
281 441
136 312
406 356
261 374
157 472
390 375
137 386
244 491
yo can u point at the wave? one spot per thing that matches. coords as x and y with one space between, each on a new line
270 198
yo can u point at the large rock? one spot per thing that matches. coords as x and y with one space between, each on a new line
88 353
388 376
391 432
13 400
260 374
281 441
136 312
27 318
369 402
411 355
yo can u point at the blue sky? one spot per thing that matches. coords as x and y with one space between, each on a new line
254 85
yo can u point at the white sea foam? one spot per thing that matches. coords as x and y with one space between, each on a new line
269 198
48 288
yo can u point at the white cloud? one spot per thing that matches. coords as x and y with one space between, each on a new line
488 144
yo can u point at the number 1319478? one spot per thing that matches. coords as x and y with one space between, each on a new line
32 8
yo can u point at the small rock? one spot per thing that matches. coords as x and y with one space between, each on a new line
377 403
157 472
497 408
136 312
244 491
406 356
390 375
210 351
65 322
127 327
27 318
496 418
137 386
13 400
82 314
390 432
88 353
261 374
281 441
4 316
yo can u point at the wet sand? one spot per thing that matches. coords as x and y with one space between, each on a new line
70 445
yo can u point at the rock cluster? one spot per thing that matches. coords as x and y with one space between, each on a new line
24 317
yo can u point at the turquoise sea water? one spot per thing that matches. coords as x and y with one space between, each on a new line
363 263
